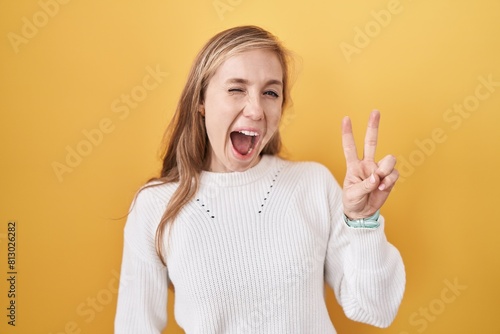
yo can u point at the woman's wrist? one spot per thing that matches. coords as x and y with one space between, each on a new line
368 222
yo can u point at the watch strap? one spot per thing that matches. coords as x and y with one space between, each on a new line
368 222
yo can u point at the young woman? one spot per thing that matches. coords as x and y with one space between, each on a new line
247 239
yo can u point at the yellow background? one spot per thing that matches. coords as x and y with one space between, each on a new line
414 66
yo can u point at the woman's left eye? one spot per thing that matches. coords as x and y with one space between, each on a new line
271 93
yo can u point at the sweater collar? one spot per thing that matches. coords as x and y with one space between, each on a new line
266 164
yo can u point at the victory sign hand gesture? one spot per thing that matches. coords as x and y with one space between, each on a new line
367 183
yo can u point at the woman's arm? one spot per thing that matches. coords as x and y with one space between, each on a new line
142 296
365 271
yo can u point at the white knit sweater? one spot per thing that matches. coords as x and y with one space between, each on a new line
251 253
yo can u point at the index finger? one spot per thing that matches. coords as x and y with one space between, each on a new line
348 143
371 136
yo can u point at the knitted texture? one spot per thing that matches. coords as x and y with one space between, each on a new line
251 253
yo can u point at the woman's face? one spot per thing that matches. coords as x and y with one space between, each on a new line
242 109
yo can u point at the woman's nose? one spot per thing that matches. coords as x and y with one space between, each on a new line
254 108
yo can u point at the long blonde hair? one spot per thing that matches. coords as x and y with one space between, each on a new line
186 150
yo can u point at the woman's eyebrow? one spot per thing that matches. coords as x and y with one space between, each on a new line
274 82
246 82
237 80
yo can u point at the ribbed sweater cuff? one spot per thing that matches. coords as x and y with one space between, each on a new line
369 248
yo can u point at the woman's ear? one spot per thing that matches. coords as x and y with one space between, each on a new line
201 109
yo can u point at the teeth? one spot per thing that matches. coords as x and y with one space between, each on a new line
249 133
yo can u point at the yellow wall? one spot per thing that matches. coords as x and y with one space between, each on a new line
66 70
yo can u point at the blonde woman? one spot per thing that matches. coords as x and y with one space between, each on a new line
246 238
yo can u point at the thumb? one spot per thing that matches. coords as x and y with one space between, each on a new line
361 189
369 184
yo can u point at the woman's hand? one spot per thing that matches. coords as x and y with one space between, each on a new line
367 183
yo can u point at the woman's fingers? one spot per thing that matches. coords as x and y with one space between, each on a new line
388 175
367 184
348 144
389 181
385 166
371 136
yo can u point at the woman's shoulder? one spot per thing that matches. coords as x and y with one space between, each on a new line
154 194
147 208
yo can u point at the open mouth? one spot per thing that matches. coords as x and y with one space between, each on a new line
244 141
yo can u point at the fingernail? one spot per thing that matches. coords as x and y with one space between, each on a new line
381 187
372 178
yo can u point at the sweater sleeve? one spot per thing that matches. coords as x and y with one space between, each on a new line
142 295
365 271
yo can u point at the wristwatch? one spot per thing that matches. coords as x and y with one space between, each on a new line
368 222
